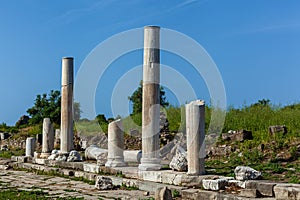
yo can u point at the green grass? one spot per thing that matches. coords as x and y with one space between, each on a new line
10 153
29 195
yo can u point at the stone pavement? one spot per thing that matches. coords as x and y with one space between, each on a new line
62 187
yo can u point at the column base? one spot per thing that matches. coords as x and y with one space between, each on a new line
115 163
200 171
150 164
45 155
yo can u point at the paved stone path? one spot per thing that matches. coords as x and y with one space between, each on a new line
62 187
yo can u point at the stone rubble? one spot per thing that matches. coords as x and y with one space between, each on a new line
179 161
246 173
103 183
74 156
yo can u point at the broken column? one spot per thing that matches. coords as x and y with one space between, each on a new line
115 144
57 138
195 135
48 138
30 146
66 132
151 104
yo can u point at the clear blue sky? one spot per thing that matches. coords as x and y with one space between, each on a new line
254 43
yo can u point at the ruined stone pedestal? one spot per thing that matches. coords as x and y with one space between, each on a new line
151 103
66 134
195 133
115 157
48 138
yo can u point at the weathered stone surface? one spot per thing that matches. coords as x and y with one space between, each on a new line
30 146
179 161
265 188
154 176
151 106
48 138
132 156
103 183
215 185
250 193
94 152
239 135
115 156
74 156
66 126
246 173
222 150
93 168
195 132
168 151
277 129
287 191
163 194
61 157
237 183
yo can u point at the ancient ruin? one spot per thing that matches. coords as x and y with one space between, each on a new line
184 170
66 127
151 105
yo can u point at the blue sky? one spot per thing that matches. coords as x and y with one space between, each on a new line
255 45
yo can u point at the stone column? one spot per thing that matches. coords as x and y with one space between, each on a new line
57 138
66 132
115 157
48 138
30 146
195 135
151 104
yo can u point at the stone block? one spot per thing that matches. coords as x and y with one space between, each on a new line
40 161
79 174
93 168
103 183
266 189
155 176
237 183
250 193
215 185
163 194
287 191
246 173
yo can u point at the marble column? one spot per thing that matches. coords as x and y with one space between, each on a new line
66 132
151 104
30 146
48 138
195 133
115 157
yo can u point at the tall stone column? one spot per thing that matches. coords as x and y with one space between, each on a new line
66 132
195 135
151 104
48 138
30 146
115 157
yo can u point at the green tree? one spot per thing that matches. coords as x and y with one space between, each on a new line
49 106
45 106
137 98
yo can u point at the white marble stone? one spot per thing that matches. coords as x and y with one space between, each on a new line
195 133
48 138
30 146
151 104
115 157
66 132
